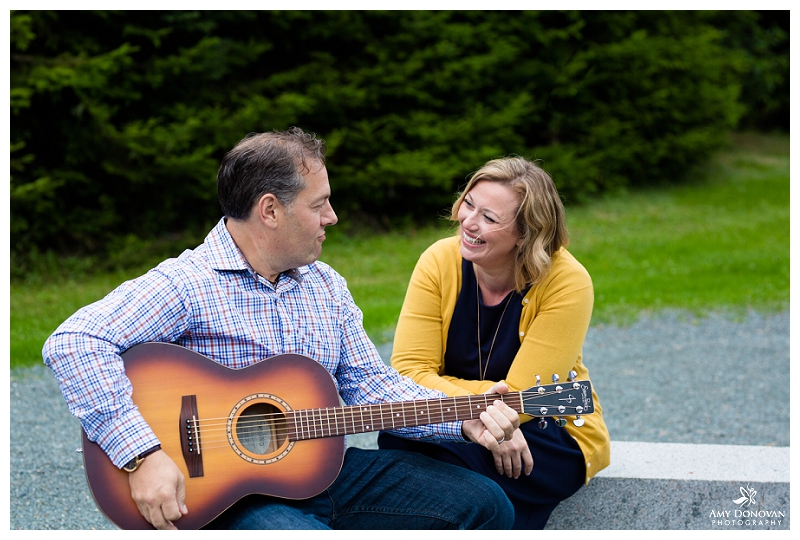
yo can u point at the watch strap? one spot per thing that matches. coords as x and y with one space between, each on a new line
133 464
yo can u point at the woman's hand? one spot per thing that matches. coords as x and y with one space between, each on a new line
513 455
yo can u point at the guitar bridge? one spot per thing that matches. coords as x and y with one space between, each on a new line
190 436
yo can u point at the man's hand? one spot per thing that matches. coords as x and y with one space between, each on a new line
496 423
159 490
513 455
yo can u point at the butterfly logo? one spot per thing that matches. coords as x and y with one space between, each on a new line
748 497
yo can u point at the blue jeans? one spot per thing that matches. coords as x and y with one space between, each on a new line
383 489
558 472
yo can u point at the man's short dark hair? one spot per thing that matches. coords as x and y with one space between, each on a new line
272 162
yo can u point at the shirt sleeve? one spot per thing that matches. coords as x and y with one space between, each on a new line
84 353
420 336
364 378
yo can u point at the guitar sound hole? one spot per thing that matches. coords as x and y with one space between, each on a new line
261 429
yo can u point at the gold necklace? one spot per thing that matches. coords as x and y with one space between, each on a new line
481 368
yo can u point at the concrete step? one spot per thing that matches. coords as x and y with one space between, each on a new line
676 487
682 487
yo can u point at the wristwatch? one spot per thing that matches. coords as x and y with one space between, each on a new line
133 464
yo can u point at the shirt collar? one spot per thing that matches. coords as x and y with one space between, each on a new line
222 251
224 254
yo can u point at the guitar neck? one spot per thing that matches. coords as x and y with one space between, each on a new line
349 420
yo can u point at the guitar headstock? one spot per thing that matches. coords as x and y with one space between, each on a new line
571 398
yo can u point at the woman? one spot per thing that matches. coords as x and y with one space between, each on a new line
505 300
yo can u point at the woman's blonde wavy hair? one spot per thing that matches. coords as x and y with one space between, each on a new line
539 218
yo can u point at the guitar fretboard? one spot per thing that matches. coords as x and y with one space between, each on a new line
337 421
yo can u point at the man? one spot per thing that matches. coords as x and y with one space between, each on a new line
254 289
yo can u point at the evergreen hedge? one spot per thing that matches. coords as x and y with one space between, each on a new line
119 119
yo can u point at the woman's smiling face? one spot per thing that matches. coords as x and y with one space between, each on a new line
489 236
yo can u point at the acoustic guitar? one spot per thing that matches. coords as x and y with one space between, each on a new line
274 428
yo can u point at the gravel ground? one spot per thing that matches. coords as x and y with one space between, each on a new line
667 378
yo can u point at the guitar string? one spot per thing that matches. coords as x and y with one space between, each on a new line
210 442
321 424
322 416
405 406
208 445
209 428
372 410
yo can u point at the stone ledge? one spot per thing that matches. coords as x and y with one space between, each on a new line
682 487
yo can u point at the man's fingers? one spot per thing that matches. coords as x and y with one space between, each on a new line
498 388
158 488
492 425
501 420
182 497
155 517
171 511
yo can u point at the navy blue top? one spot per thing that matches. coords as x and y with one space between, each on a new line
461 355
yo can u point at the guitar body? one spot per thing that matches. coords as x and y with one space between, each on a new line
274 428
168 380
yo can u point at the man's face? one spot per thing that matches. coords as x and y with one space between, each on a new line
303 227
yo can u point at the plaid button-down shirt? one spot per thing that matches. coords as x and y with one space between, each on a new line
210 300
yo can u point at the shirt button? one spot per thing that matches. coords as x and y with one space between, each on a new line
588 465
525 301
521 334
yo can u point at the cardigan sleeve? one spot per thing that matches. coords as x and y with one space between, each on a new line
420 335
553 326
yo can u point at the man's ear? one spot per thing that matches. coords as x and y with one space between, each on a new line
269 209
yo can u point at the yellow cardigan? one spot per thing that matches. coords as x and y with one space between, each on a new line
555 318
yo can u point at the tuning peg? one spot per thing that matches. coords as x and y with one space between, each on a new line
561 422
539 384
542 423
572 375
578 420
555 377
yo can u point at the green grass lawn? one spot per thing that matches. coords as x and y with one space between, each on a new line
718 242
377 269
